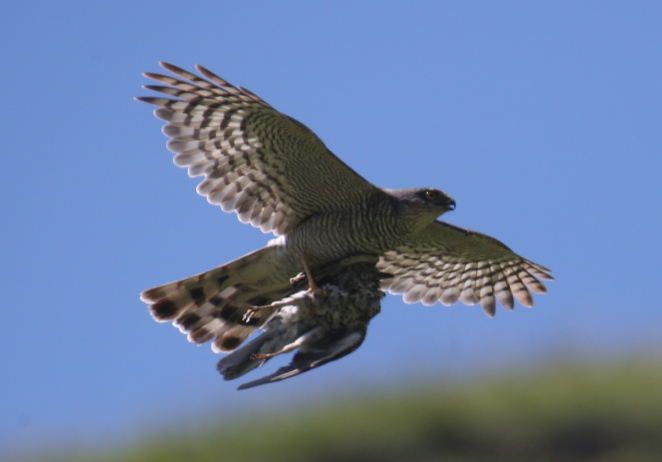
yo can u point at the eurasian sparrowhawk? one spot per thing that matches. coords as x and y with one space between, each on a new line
276 174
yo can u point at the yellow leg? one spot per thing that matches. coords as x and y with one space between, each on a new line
313 289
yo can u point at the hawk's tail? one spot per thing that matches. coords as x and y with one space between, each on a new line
212 305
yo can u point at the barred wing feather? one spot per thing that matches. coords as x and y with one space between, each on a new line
270 169
446 263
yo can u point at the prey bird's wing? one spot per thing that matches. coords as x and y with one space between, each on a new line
268 168
333 346
446 263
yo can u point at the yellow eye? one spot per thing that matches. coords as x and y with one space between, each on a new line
431 195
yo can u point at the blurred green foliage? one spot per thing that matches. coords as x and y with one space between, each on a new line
561 413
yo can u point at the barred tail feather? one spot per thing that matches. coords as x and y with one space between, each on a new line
212 305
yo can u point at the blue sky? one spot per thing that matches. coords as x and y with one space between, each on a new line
541 119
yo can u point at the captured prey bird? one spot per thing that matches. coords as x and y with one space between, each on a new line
277 175
324 322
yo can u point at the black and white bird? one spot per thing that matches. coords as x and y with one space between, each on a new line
276 174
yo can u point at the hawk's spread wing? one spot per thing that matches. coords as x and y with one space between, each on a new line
446 263
270 169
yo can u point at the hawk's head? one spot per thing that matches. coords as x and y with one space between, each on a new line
421 206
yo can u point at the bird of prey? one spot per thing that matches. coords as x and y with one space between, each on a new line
277 175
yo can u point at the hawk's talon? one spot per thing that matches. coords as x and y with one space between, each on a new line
248 315
313 289
251 310
314 295
264 356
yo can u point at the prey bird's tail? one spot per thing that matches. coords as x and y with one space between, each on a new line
212 305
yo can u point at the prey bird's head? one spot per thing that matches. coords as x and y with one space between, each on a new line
421 206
